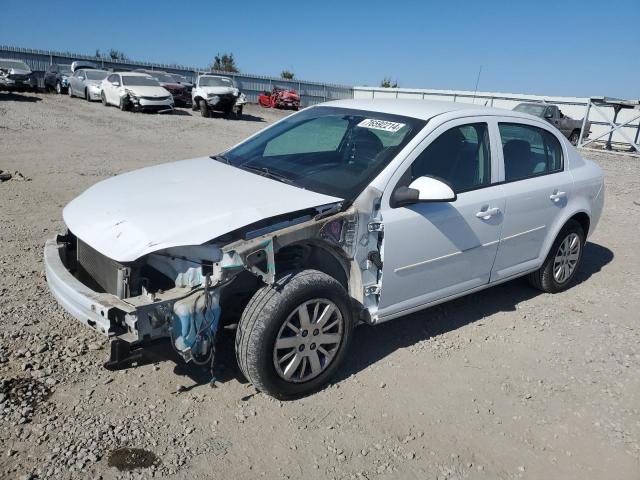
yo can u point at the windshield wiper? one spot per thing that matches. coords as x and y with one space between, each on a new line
221 158
265 172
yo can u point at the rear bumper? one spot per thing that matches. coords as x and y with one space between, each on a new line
96 310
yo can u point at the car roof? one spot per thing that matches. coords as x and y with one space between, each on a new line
423 109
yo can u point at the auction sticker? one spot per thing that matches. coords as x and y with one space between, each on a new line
381 125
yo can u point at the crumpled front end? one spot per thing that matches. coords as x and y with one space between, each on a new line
16 79
164 294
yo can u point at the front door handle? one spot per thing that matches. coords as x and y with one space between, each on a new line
557 196
487 213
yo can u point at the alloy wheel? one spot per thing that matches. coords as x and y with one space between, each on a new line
308 340
567 258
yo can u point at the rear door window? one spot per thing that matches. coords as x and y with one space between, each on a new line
529 151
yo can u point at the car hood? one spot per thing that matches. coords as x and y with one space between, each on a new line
181 203
220 90
174 86
148 91
18 72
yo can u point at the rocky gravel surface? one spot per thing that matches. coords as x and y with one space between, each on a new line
507 383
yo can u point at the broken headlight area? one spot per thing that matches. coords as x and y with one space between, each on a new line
169 293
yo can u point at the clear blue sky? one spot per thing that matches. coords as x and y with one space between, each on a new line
561 47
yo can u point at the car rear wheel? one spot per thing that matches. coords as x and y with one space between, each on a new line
559 269
294 334
204 109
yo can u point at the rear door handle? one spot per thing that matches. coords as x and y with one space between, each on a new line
557 196
487 213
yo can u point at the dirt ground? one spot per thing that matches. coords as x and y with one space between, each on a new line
506 383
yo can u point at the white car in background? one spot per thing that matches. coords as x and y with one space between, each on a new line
347 212
86 83
215 92
135 91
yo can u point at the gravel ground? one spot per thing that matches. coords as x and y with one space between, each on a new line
506 383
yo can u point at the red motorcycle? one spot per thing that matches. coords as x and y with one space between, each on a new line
280 98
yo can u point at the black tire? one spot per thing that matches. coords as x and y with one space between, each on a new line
103 99
543 278
204 109
125 104
239 112
58 88
574 137
86 95
194 105
265 315
69 92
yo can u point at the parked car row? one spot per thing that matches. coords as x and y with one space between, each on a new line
146 90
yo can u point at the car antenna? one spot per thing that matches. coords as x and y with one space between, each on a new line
477 81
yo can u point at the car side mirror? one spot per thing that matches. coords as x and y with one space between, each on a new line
548 115
115 84
423 189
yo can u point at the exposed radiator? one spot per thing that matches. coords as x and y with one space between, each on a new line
110 275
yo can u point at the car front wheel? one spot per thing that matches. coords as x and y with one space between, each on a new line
103 98
563 260
58 88
293 335
204 108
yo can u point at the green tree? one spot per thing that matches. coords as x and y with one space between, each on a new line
387 83
287 75
117 55
225 63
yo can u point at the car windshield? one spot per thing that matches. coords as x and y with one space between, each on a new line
335 151
215 82
139 81
7 64
64 69
96 74
163 77
530 108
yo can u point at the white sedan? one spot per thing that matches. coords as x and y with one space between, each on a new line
347 212
135 91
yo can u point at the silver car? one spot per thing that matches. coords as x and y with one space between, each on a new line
86 82
354 211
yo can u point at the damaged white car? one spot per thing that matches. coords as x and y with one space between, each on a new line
352 211
134 91
215 92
